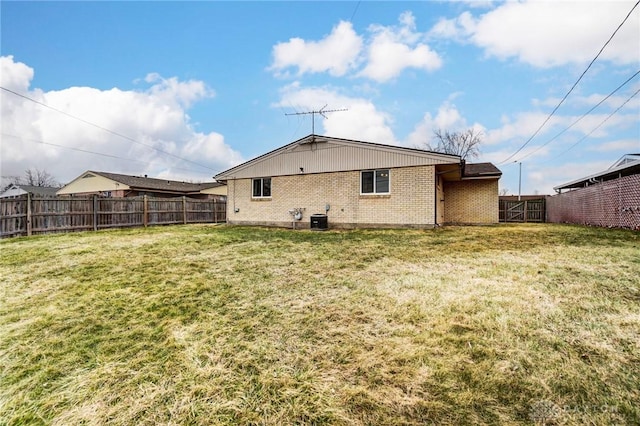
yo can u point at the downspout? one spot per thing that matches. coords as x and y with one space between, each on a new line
234 194
435 198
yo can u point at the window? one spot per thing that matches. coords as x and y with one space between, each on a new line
374 182
262 188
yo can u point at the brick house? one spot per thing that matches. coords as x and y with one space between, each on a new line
118 185
359 184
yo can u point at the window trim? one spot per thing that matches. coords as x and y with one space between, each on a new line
261 179
375 186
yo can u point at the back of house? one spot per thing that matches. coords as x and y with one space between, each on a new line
359 184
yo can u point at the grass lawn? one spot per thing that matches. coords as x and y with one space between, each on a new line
201 324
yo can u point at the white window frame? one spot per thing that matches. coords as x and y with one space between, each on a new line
262 187
375 185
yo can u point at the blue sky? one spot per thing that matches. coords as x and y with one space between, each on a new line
211 82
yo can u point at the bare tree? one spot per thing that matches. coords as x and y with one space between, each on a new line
7 181
504 191
34 177
37 177
466 144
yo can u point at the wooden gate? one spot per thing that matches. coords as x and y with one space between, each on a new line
522 211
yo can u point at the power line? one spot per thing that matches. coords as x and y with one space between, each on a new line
86 151
579 119
103 128
599 125
354 12
572 87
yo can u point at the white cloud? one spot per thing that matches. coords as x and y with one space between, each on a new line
362 121
15 76
171 90
520 127
591 100
393 49
544 177
547 34
479 4
336 53
517 129
385 53
627 145
459 28
447 118
156 118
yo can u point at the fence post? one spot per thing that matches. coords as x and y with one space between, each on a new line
145 211
184 210
95 212
28 214
214 213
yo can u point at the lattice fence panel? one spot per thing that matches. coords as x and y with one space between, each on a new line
612 204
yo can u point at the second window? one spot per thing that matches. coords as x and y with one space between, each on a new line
374 182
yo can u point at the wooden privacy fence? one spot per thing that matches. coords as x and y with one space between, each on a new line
522 211
31 215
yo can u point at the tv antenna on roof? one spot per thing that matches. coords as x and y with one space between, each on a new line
322 111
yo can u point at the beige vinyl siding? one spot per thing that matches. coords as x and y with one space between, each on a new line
218 190
93 184
323 157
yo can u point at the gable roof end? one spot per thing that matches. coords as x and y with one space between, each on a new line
323 154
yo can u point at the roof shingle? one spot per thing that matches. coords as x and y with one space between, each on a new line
146 183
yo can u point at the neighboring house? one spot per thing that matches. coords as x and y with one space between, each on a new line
16 190
118 185
214 188
610 198
627 165
359 184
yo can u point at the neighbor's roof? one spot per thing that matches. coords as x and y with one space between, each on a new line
626 166
38 190
323 154
147 183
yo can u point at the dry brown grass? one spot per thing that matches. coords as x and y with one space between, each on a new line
228 325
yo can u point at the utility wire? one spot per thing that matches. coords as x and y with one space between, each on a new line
91 152
103 128
572 87
579 119
354 12
599 125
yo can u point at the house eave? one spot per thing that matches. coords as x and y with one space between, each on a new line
614 173
482 177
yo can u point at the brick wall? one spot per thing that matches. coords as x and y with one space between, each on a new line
471 201
410 202
615 203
